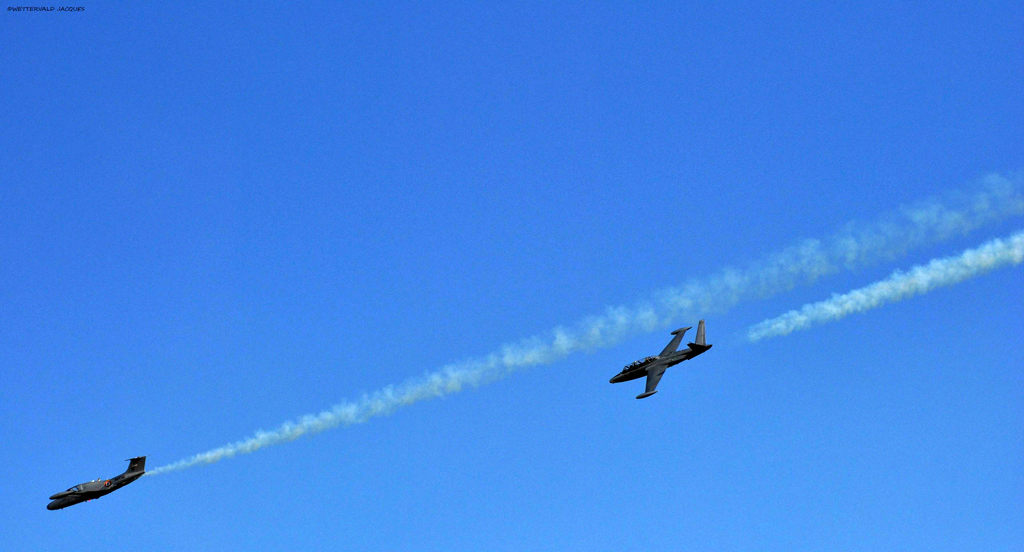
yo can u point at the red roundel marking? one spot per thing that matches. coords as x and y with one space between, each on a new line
106 483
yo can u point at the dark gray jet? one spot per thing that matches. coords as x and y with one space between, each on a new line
98 488
654 366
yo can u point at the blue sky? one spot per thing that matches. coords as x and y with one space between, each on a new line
216 219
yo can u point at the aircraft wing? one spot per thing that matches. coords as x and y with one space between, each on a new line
653 377
677 337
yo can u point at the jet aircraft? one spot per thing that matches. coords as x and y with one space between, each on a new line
654 366
99 487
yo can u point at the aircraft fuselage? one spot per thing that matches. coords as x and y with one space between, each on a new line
664 362
100 487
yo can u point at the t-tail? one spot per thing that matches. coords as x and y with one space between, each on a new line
700 344
137 464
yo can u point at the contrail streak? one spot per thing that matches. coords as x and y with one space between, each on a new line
857 244
901 285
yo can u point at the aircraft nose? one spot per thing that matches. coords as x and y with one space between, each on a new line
53 505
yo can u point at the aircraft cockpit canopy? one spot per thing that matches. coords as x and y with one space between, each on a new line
73 489
640 362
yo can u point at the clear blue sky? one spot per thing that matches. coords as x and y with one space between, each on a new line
216 218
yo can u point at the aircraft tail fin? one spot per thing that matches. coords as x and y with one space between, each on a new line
674 344
137 464
700 344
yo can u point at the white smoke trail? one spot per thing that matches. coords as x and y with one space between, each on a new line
858 244
901 285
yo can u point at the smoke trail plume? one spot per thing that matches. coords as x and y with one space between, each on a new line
901 285
857 244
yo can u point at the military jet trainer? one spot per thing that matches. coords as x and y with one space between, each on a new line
654 366
99 487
